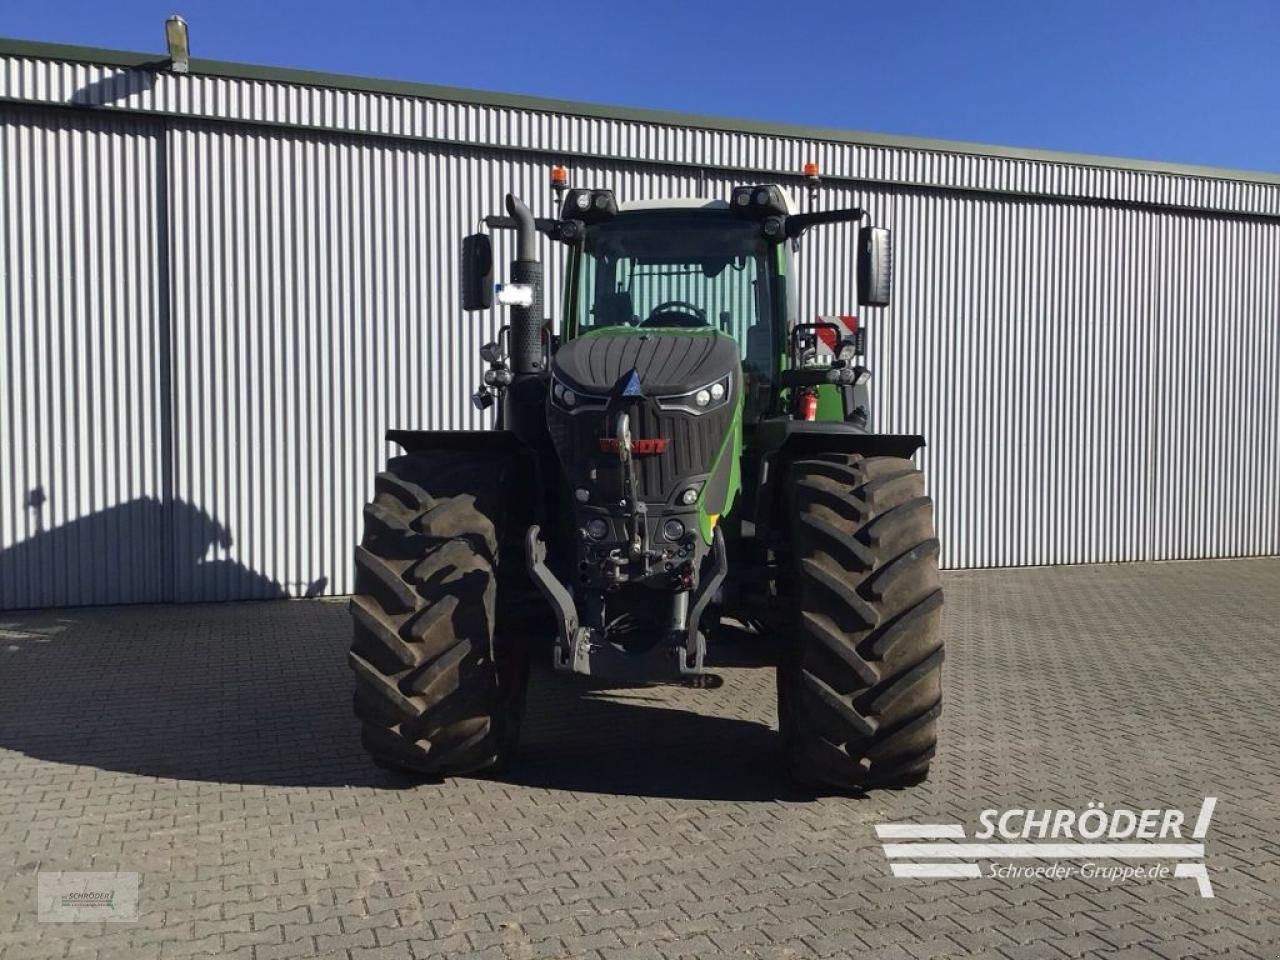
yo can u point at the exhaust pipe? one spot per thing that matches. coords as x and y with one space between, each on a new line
526 322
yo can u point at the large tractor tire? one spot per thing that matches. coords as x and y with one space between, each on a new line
860 683
440 683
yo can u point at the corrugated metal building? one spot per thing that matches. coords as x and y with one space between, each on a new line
219 289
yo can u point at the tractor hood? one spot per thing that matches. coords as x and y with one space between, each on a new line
667 362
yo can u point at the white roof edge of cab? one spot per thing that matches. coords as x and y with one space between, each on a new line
689 203
674 203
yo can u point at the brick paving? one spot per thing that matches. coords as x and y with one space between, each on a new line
211 748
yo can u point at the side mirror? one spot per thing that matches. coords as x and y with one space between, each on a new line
477 272
875 266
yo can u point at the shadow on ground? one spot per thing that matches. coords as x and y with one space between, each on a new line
260 693
658 741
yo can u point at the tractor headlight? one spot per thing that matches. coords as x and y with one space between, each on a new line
566 398
704 399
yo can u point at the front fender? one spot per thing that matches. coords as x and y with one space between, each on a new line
531 495
784 441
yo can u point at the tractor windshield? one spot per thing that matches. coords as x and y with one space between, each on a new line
681 271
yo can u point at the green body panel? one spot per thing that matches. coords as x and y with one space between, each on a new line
720 492
830 402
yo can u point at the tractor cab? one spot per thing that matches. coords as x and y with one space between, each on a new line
683 267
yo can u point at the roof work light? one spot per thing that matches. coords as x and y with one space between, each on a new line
589 206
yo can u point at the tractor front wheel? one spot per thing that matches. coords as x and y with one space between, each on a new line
439 683
860 684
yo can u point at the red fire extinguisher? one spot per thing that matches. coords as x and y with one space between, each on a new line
808 404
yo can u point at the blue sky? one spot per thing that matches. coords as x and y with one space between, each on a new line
1192 82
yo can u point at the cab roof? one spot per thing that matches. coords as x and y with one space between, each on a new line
689 203
673 203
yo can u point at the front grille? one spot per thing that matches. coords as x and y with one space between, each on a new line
693 442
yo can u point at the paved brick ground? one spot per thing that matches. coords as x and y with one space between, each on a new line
211 748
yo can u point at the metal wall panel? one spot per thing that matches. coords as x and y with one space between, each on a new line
1096 384
568 135
82 497
1097 380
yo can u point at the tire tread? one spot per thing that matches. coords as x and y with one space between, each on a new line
860 689
424 651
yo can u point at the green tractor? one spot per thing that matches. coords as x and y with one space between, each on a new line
687 450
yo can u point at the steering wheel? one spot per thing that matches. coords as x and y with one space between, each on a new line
676 313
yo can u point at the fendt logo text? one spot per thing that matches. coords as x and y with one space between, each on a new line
1147 844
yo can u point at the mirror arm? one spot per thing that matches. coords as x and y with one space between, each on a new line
543 225
798 223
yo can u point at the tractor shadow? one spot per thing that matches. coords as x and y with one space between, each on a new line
259 693
657 741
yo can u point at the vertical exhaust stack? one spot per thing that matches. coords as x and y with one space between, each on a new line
526 322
